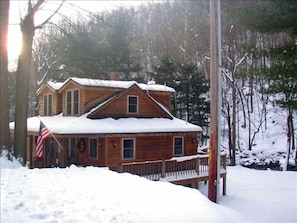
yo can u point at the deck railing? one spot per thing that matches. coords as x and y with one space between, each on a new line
180 167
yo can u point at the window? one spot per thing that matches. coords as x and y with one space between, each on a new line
178 145
47 104
132 104
68 102
128 148
93 148
72 102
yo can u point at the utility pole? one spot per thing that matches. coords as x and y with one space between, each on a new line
215 101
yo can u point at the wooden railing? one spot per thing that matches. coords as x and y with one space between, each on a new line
175 168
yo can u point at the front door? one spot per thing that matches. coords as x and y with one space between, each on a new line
53 153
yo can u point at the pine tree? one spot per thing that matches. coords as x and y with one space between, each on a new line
191 100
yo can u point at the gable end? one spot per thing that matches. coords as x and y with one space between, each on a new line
131 102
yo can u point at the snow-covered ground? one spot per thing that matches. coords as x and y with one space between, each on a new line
99 195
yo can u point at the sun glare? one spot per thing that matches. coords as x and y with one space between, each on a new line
14 45
18 10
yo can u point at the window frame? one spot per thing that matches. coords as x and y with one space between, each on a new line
174 146
72 105
96 148
123 149
136 106
47 104
75 102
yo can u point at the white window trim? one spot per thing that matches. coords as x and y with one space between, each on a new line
137 105
46 113
72 102
182 145
134 148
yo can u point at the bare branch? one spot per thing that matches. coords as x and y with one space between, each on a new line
47 20
35 8
241 60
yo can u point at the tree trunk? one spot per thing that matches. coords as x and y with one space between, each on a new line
229 135
4 105
233 125
22 87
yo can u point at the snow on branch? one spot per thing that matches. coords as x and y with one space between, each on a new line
241 60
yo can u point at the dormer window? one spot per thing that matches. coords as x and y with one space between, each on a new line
72 102
132 104
47 104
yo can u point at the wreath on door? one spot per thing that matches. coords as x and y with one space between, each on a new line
81 146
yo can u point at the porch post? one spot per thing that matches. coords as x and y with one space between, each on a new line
163 170
198 165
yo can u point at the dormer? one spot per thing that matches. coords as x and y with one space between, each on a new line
81 94
50 101
77 96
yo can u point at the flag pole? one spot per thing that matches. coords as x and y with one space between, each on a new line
57 141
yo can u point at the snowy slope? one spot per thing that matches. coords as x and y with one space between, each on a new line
270 142
99 195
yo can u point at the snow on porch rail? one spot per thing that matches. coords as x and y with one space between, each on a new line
172 169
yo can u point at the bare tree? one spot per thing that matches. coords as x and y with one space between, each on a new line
23 77
4 117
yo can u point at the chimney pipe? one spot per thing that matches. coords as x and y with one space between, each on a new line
115 76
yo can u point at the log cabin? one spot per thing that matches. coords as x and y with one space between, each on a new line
108 123
123 125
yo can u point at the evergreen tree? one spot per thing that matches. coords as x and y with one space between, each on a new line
121 57
191 100
165 74
280 73
192 97
82 55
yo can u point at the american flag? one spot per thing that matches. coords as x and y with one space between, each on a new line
43 134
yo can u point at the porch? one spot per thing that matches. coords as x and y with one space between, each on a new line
186 170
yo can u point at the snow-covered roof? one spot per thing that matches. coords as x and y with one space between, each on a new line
55 85
119 84
60 124
151 86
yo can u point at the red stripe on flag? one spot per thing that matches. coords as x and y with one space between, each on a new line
43 134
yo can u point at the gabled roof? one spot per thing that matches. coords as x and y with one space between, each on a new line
87 82
53 86
148 99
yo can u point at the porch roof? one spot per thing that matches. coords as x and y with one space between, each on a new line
60 124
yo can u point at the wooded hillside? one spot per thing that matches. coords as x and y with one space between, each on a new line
169 42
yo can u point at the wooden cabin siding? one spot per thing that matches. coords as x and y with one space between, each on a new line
71 87
162 97
147 148
119 107
92 97
59 100
156 147
56 101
